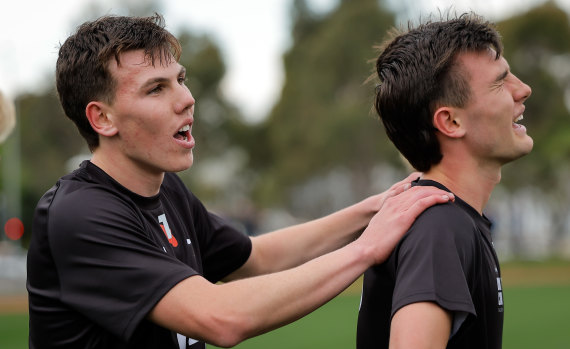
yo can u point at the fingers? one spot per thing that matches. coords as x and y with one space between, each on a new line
413 195
398 214
404 184
412 202
420 205
412 176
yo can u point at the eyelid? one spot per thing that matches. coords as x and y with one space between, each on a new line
504 76
156 88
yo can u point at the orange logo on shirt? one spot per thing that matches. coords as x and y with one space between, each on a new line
166 229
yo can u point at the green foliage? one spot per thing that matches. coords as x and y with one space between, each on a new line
49 140
532 42
219 125
324 117
542 28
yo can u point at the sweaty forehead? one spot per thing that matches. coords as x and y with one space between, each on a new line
138 58
486 54
135 66
129 60
482 60
483 70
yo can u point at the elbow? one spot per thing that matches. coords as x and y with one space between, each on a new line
227 338
225 341
227 331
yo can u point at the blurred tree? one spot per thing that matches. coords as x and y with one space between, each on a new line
323 119
50 140
538 50
219 127
535 43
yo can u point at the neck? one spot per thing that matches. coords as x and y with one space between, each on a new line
136 179
469 181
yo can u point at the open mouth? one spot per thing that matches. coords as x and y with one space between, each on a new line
519 128
183 133
517 120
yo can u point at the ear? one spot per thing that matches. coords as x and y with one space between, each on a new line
448 121
100 119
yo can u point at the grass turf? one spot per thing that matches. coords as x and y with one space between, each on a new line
536 316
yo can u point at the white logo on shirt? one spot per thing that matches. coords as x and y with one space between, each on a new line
166 229
182 341
500 291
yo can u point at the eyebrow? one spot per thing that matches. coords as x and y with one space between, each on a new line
161 79
502 76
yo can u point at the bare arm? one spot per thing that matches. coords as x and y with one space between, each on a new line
423 325
289 247
228 313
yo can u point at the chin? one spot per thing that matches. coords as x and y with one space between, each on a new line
528 146
523 146
522 151
183 166
180 168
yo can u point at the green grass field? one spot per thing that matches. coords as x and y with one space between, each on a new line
537 308
535 317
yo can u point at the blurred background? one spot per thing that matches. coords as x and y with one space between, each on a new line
285 128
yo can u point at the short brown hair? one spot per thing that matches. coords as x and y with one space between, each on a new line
418 72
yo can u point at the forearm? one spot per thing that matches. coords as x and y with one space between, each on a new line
228 313
225 314
283 297
292 246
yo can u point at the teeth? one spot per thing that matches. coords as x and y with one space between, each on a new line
184 128
519 118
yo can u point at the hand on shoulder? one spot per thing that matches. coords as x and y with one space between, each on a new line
396 215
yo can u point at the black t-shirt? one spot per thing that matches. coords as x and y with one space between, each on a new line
446 257
102 256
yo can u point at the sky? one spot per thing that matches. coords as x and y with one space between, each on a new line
252 34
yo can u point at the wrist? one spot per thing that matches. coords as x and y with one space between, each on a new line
364 253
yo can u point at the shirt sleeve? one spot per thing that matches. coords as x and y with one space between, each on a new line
109 268
224 249
433 260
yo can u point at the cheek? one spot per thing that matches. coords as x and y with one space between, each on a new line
146 128
484 130
494 117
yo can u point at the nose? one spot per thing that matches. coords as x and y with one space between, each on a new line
522 92
184 100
